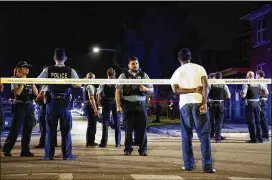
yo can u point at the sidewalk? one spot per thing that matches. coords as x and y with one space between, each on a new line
229 129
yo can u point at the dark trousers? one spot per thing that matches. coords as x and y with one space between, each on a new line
216 113
110 105
23 116
92 121
135 118
190 116
253 121
263 120
2 119
55 110
42 123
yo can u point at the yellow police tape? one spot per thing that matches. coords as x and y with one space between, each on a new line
122 81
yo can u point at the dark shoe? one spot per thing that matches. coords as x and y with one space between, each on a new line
38 146
71 157
103 145
127 153
183 168
223 138
7 154
266 139
210 171
216 141
92 144
143 153
47 158
250 141
28 154
118 145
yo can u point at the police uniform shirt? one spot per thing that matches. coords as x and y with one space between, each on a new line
91 90
134 97
262 87
44 74
226 89
188 76
16 86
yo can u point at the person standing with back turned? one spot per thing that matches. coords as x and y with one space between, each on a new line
188 81
57 107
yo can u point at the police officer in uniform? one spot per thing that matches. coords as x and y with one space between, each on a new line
23 113
57 107
106 99
135 112
252 93
2 116
264 125
40 100
91 111
217 94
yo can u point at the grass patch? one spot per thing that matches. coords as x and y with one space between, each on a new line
163 121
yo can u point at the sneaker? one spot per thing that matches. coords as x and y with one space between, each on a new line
118 145
183 168
210 171
27 154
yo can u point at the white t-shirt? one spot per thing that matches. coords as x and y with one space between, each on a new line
188 76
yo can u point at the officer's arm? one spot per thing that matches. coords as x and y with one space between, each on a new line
35 90
244 91
227 92
75 76
1 88
118 97
264 91
92 100
17 89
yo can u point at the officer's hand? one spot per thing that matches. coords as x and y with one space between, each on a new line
199 89
203 109
96 112
119 109
142 88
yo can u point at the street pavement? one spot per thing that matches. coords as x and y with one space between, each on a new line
233 160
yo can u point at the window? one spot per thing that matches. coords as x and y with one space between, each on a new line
261 30
260 66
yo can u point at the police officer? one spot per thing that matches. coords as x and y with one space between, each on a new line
252 94
23 113
57 107
91 111
106 99
2 116
217 94
40 100
135 112
263 121
187 81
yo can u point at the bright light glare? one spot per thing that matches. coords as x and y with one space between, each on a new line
96 50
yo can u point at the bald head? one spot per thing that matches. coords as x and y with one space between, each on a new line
90 75
250 75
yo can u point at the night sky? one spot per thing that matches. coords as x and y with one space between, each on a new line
31 31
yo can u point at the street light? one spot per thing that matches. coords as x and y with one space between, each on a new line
96 50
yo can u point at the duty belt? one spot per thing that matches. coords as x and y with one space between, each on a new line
253 100
23 102
212 101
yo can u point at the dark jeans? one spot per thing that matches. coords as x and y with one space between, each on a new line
92 121
216 113
110 105
135 118
263 120
253 120
55 110
23 116
190 116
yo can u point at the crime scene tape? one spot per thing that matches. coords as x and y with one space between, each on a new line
122 81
